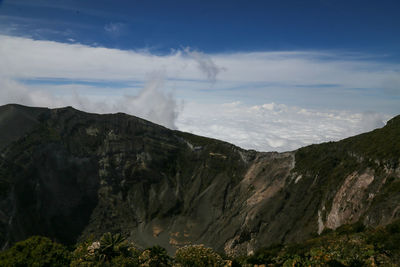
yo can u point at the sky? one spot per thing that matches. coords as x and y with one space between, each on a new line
263 75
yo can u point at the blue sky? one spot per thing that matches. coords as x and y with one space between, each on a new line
212 26
267 75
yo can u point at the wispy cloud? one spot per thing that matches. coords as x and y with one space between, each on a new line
205 64
114 28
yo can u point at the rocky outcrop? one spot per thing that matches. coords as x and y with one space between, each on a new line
68 174
350 201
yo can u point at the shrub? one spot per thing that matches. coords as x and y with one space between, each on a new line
198 256
111 250
155 256
109 247
36 251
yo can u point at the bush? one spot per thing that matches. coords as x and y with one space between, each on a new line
264 255
36 251
386 238
155 257
198 256
111 250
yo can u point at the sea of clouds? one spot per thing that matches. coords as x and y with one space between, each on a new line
274 127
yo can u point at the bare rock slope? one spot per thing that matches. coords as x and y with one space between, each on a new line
67 174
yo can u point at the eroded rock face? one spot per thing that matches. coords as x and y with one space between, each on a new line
350 201
70 174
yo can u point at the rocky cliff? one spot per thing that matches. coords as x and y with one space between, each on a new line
67 174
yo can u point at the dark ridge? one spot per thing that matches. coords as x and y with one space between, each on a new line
16 121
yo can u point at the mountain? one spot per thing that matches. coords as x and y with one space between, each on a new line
68 174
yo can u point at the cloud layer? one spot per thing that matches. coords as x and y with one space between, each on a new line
274 127
323 95
23 57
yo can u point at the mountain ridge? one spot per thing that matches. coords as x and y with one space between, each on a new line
115 172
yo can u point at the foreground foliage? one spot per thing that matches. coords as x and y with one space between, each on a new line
349 245
36 251
111 250
198 255
155 256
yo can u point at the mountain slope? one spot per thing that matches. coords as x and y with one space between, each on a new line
69 174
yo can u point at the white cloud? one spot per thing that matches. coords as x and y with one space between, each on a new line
151 103
23 57
26 58
274 127
297 79
13 92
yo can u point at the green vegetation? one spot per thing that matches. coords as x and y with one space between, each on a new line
382 144
349 245
35 251
324 167
155 256
198 255
111 250
371 149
